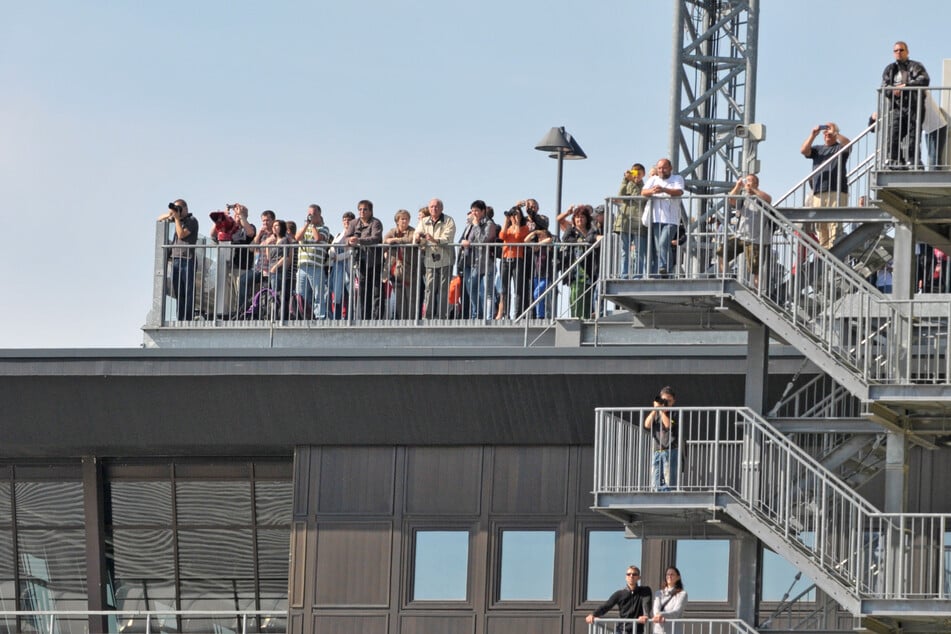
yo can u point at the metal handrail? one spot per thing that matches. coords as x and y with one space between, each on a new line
51 616
862 168
678 626
732 451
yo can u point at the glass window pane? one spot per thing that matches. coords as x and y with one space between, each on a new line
135 503
226 503
143 554
441 567
216 554
49 503
274 547
142 594
528 566
274 501
609 555
780 581
6 556
5 517
704 566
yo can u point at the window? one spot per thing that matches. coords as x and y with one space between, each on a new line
527 572
704 566
609 554
440 566
780 581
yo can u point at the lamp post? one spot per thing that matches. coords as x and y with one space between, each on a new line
561 145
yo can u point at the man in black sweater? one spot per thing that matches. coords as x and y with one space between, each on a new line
633 602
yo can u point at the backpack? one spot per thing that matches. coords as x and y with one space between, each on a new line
264 305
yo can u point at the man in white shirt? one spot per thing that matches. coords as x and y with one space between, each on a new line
663 214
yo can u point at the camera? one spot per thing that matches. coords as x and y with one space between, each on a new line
230 207
175 208
437 257
823 127
310 217
660 399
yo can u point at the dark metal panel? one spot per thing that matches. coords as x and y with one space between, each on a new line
437 624
353 564
350 623
356 480
530 480
501 623
443 480
296 576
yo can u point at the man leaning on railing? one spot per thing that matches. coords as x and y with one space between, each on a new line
903 108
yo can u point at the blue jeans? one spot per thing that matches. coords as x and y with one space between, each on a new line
539 286
641 265
475 289
340 286
665 469
663 249
624 243
312 285
183 281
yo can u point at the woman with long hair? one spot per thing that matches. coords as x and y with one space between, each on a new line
669 601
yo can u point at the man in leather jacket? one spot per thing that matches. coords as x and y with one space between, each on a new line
903 108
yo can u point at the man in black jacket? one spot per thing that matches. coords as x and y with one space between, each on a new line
902 104
633 602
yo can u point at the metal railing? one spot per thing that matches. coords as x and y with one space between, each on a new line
913 128
800 503
853 163
874 338
147 621
819 397
328 286
678 626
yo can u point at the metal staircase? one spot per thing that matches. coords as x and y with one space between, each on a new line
742 473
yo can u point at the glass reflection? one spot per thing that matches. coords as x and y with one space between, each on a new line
528 566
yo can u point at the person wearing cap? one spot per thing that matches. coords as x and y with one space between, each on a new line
183 257
341 260
477 260
542 262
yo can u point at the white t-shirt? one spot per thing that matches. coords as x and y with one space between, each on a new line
663 209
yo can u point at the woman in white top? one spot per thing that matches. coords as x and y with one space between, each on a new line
669 601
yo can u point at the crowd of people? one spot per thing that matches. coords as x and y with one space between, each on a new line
494 271
504 269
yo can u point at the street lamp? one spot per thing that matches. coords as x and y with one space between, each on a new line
561 146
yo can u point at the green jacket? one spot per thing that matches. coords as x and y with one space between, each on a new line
628 218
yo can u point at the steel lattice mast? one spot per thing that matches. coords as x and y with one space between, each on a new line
713 91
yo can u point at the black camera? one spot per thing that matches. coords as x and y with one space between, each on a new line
175 208
310 217
660 399
230 207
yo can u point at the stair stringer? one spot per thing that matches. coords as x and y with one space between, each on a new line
832 586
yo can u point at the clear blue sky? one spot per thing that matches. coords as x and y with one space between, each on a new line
111 109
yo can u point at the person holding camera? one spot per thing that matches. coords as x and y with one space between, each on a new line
477 261
313 271
830 185
435 237
512 270
665 434
627 222
750 238
182 257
